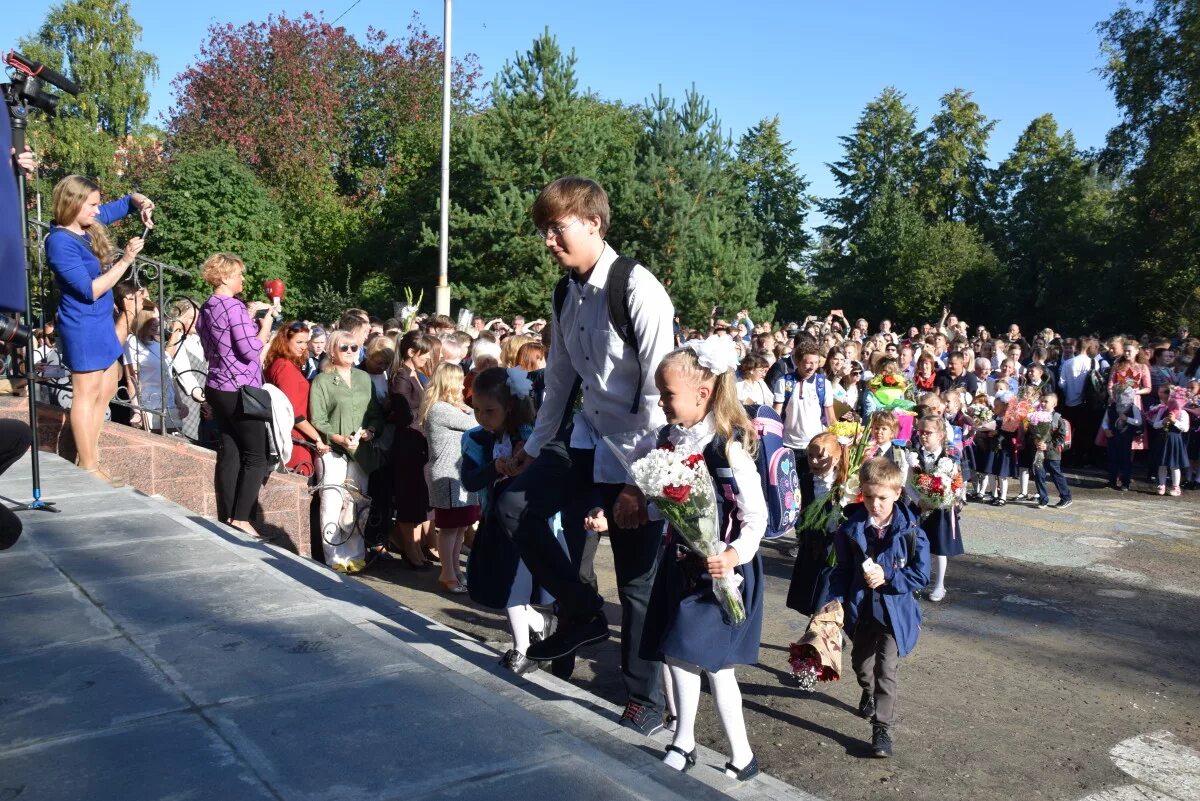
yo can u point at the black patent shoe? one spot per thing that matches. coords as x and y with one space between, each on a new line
518 663
689 758
742 774
569 638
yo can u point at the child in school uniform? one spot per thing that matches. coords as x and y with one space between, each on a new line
1004 455
1172 422
941 526
982 448
883 429
828 463
882 559
1052 452
1121 425
698 393
496 576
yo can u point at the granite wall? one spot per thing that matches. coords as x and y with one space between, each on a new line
177 470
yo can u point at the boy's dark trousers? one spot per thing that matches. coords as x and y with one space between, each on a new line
1120 455
876 663
1053 467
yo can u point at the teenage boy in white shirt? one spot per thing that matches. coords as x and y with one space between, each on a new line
798 401
616 383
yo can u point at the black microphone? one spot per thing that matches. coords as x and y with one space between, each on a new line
36 69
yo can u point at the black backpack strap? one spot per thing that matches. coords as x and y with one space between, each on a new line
617 292
560 297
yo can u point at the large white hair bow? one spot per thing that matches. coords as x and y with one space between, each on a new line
518 383
716 353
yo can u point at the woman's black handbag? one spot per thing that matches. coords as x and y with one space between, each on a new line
256 403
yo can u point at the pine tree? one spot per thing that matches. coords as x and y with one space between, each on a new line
953 173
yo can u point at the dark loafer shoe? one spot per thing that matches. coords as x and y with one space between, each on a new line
742 774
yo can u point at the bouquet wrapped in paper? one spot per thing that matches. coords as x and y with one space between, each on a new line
817 656
1038 424
1020 408
680 487
938 488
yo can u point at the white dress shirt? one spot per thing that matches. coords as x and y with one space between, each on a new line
586 345
751 504
1072 376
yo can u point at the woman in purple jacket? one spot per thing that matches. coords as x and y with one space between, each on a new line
86 267
233 343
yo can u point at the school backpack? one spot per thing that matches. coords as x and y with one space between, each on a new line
1095 388
791 381
616 291
1067 433
777 469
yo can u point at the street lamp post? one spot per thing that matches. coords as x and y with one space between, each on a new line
443 286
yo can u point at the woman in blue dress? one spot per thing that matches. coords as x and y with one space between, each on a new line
84 262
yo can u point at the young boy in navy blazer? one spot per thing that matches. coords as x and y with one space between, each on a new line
882 558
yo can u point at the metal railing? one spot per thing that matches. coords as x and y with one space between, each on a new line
144 269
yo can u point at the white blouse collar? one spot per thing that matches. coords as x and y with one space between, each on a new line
695 438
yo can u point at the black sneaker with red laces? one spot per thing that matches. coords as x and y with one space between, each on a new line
641 718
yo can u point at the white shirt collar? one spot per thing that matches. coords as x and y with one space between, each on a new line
693 440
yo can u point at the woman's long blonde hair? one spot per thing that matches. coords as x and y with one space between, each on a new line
445 385
729 415
69 196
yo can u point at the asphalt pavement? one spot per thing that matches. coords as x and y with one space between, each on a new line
1069 641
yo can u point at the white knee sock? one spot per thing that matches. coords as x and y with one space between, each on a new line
533 619
728 698
939 575
520 629
1174 476
1024 481
1003 492
981 482
669 694
685 680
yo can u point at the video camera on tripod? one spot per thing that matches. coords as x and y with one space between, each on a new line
25 90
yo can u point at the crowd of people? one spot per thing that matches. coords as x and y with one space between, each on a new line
425 442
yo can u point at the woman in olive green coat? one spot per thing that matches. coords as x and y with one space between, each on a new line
341 406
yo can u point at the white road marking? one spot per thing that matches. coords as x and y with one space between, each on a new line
1166 770
1159 761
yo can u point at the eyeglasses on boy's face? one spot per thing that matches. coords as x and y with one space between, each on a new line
555 230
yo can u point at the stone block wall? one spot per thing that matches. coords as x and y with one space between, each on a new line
175 469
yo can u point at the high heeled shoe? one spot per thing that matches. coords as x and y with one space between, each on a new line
452 587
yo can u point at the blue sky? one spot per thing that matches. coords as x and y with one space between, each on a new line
814 63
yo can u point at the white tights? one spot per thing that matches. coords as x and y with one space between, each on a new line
1001 488
1162 475
521 619
727 696
1024 480
939 575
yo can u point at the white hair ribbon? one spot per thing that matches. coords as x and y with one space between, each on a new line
717 354
518 383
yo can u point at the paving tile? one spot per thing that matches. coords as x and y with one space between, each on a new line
247 658
160 602
42 619
103 526
175 758
318 742
144 558
75 689
23 569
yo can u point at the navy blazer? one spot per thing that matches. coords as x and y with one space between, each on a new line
903 575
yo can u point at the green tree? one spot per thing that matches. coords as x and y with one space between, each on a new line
953 172
94 42
1154 71
883 151
686 211
538 128
209 202
1054 223
776 192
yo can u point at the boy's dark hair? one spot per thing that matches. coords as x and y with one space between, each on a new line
441 321
351 319
808 348
752 362
571 194
493 383
1049 392
803 338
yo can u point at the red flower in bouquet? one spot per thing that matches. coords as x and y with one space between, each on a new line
694 459
677 494
667 446
889 380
